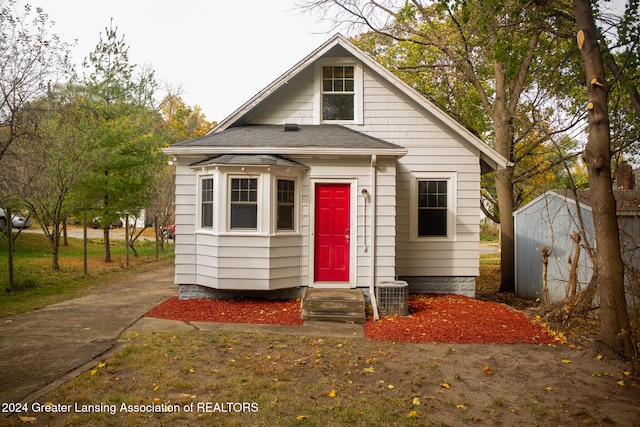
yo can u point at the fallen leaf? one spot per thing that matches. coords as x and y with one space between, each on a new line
94 371
445 385
101 365
191 370
8 322
627 373
416 401
28 420
549 389
599 357
369 370
621 383
391 386
156 400
566 361
332 393
412 414
301 417
487 370
464 408
156 387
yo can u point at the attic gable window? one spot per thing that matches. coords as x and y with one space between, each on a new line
338 92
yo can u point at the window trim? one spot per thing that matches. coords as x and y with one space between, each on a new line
358 89
452 190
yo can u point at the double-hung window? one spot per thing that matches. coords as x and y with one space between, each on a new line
432 208
244 203
286 204
338 92
206 213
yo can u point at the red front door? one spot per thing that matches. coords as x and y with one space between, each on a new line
332 234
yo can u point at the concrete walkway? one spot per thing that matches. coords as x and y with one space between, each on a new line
42 349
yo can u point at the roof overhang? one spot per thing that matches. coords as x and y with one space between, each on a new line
283 151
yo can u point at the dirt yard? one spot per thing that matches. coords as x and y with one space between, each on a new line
484 363
241 379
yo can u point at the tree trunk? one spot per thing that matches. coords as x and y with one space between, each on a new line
504 182
107 244
615 326
504 188
572 286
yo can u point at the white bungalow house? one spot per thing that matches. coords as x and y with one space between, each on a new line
336 175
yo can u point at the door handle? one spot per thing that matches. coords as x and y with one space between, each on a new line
346 235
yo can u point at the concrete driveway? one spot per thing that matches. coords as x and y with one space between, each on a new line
41 347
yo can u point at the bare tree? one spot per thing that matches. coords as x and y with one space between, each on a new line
31 58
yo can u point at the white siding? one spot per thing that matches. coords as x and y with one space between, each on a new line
270 261
390 116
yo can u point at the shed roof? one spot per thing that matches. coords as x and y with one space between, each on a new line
249 160
274 139
627 201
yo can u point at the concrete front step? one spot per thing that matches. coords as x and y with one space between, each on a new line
334 305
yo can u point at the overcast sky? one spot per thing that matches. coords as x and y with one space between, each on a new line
220 52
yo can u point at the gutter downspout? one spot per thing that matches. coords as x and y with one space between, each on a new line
372 285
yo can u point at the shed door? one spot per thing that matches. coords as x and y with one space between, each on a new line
332 234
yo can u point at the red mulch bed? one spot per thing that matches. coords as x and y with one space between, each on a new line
433 318
457 319
244 310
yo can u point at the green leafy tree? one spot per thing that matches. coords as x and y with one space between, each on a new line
128 132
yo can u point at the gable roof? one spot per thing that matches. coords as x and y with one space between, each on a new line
290 139
489 157
627 201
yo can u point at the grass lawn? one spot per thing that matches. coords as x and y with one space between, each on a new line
38 285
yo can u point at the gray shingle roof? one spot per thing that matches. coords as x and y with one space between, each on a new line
325 136
249 159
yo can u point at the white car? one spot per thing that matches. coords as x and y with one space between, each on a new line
17 220
20 221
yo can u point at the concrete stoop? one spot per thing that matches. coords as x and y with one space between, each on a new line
333 305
